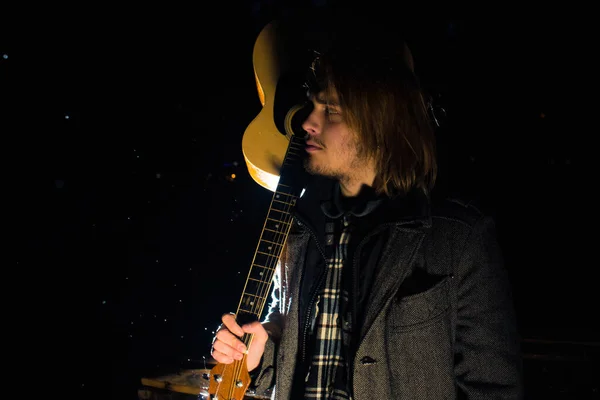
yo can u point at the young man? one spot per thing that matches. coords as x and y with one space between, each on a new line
381 292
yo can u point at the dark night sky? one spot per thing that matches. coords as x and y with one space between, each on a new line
131 237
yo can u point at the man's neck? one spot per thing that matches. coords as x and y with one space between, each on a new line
350 189
352 184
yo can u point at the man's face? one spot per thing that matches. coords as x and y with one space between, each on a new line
331 145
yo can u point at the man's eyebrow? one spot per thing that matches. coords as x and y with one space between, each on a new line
322 99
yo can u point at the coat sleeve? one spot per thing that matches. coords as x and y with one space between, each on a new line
488 361
263 376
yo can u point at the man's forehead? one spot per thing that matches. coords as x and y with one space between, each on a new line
328 96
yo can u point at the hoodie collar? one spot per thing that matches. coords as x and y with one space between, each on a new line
364 203
322 197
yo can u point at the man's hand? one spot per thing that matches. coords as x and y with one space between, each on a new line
228 347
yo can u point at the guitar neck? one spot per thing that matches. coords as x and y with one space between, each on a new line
273 236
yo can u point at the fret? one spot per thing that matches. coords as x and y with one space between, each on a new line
270 243
255 280
255 294
278 215
260 275
296 144
284 201
282 206
266 254
259 290
295 150
269 247
250 301
286 185
275 237
284 190
265 261
264 269
284 198
278 222
276 231
277 225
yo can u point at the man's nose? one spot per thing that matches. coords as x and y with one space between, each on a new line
312 124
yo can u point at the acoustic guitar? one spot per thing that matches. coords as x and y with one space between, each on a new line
274 153
267 138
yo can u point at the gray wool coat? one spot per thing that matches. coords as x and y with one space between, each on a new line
454 340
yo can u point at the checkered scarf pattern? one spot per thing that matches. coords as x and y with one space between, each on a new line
327 374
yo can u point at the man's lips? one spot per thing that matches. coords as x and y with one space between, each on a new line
312 148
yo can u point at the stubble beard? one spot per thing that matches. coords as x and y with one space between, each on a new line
357 164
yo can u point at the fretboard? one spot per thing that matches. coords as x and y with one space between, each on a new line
273 236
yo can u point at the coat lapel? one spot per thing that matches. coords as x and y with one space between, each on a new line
392 272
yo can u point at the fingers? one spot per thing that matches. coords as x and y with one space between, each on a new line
257 348
258 330
225 355
226 345
230 323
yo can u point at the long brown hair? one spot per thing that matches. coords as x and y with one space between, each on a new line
382 101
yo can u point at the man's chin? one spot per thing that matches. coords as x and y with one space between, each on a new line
317 170
311 167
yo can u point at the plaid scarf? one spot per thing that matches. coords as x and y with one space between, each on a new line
327 377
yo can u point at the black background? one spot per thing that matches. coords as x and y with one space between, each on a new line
122 127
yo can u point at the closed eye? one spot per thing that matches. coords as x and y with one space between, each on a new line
331 111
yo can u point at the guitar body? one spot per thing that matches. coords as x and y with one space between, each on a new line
278 76
263 145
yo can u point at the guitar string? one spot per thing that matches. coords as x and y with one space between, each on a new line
271 265
279 239
272 261
263 285
295 146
